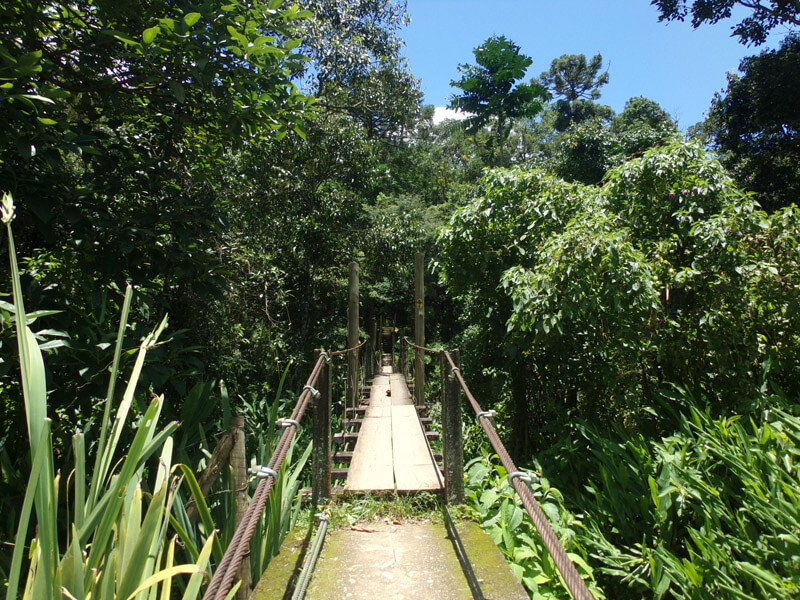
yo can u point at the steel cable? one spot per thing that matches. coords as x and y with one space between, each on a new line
349 350
225 574
423 348
575 584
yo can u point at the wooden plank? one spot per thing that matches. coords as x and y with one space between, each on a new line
413 467
371 465
400 394
391 451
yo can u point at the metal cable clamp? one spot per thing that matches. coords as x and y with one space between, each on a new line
288 423
529 478
315 393
263 472
489 414
453 372
327 356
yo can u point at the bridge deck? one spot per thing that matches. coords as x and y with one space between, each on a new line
391 452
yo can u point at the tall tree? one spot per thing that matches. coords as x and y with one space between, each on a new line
755 124
490 89
575 84
764 15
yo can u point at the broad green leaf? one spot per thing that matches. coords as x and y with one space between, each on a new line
149 34
178 91
191 18
37 469
164 575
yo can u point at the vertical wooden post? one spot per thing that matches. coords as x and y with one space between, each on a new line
419 327
376 349
321 461
352 337
451 424
403 350
238 462
394 364
370 350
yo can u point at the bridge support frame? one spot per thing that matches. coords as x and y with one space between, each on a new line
419 328
453 446
321 434
352 336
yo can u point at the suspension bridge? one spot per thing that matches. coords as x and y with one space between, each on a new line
385 448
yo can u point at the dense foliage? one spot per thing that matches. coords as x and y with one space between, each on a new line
665 274
755 124
762 17
616 291
490 92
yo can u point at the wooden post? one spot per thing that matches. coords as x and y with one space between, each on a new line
394 364
403 350
218 460
352 337
376 349
419 327
451 424
238 461
369 365
321 473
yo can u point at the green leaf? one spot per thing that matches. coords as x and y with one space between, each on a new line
149 34
37 470
192 18
178 91
164 574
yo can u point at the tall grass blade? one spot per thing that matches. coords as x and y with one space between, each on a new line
25 515
124 408
202 508
196 580
147 533
164 574
123 323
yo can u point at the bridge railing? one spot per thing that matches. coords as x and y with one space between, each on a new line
317 394
453 382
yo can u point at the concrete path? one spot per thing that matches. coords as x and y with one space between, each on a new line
389 562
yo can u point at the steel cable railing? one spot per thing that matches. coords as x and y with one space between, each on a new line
225 574
565 567
573 580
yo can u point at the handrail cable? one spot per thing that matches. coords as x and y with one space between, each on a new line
225 574
349 350
423 348
565 567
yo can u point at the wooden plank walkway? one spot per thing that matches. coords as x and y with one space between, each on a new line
391 452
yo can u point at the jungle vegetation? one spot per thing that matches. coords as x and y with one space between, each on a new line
185 183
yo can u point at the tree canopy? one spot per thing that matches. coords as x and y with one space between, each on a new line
490 88
575 84
764 16
755 124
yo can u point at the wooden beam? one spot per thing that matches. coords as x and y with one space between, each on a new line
352 336
451 426
419 327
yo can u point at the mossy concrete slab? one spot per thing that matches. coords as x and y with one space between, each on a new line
387 561
380 560
277 582
491 569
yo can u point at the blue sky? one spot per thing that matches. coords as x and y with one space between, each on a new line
677 66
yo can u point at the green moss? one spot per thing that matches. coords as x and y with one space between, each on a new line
490 566
277 582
